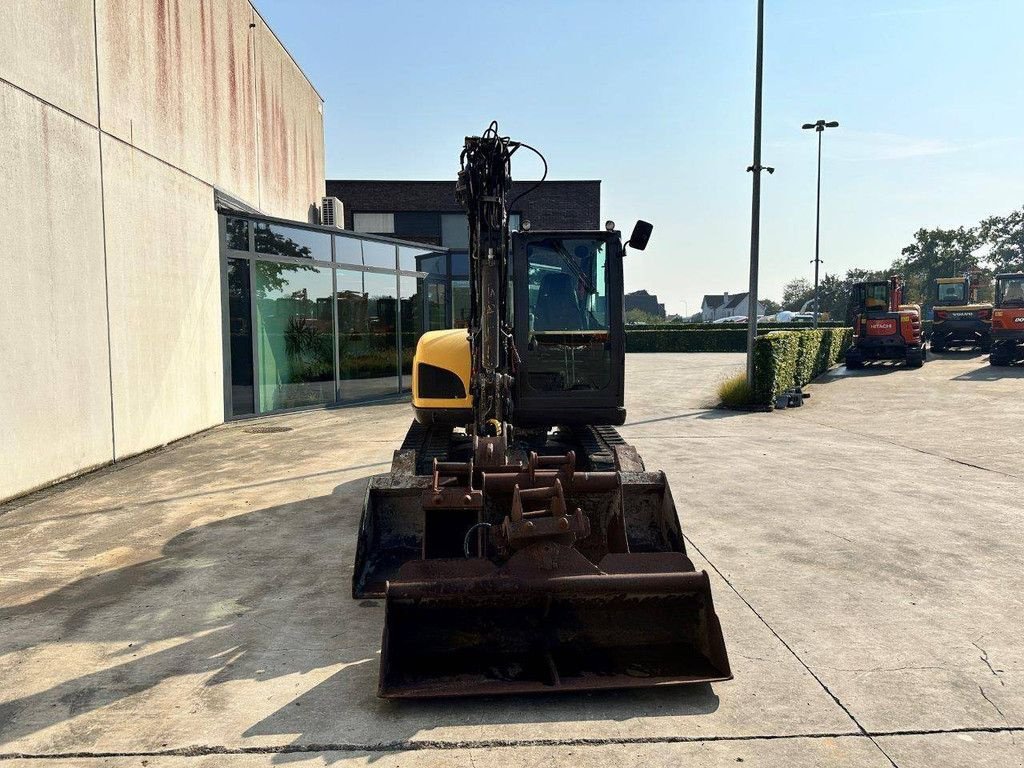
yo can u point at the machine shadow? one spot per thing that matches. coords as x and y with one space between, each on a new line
958 353
537 717
992 373
252 597
250 606
871 368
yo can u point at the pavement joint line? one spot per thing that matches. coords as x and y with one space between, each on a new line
795 655
916 449
416 745
201 750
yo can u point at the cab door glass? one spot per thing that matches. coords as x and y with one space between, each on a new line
877 297
568 347
1010 292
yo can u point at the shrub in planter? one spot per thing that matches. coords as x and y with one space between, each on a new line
787 359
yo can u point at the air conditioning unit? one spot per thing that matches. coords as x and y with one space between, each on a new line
332 212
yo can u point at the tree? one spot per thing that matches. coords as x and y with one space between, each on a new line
1004 237
771 307
865 275
833 295
796 293
936 253
639 317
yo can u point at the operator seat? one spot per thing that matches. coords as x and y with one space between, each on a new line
557 308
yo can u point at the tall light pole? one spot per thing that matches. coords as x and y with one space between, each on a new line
755 199
820 127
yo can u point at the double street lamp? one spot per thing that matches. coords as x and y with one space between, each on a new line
819 127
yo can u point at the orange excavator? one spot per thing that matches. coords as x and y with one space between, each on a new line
884 328
1008 320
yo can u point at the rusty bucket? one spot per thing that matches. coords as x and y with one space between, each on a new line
549 620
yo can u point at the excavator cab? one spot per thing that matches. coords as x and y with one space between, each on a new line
872 296
568 328
952 292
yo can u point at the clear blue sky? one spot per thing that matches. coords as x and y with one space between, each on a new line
655 99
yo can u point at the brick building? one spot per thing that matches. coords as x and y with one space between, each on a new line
645 302
422 210
426 212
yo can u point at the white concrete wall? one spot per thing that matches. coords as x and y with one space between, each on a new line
49 50
165 308
54 373
115 127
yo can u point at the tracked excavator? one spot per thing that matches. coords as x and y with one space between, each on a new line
519 543
884 328
960 320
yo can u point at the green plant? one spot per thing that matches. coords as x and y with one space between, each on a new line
762 326
686 340
735 391
787 359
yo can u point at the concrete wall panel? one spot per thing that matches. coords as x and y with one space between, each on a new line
54 384
48 49
165 300
291 132
188 89
177 80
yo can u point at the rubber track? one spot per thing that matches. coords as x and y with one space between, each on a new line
429 443
597 443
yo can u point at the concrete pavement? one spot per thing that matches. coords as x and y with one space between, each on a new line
864 553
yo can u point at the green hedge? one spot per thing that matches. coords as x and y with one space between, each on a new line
791 359
715 338
720 326
676 340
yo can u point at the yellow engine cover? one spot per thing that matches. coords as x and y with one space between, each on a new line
449 351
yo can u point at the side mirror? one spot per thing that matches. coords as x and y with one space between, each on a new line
641 234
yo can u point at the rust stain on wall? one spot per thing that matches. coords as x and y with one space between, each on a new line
192 83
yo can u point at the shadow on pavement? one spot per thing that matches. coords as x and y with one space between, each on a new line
217 631
876 368
662 418
991 373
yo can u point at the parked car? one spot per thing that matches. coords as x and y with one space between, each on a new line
731 319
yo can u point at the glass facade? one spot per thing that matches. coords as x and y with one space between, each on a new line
240 335
447 291
293 335
314 316
367 334
276 240
414 303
